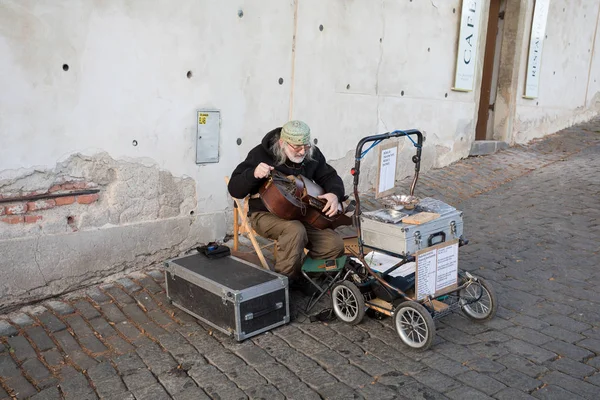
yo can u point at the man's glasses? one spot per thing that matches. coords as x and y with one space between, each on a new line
305 147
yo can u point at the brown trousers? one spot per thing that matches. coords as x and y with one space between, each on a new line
292 238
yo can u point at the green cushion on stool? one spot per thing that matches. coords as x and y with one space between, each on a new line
311 265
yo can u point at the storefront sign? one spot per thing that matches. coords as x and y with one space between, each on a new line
467 45
536 42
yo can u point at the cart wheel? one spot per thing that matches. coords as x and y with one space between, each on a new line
348 302
415 325
480 310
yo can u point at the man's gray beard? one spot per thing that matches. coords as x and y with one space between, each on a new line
297 160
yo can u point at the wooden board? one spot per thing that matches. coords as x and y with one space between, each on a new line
420 218
252 258
352 243
438 305
380 305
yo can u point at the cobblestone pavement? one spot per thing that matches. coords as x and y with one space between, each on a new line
533 217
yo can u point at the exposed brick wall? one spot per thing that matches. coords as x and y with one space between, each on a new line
32 219
71 186
13 219
16 209
24 210
41 205
65 201
88 198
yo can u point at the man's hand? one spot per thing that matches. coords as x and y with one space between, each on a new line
262 170
331 208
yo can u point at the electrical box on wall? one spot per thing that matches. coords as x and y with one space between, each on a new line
207 136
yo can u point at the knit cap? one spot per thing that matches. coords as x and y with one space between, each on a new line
295 133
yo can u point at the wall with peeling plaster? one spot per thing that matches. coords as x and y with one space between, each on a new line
143 215
103 95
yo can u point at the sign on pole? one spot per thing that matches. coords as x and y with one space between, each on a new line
386 173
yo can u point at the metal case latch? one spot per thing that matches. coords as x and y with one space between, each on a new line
453 227
417 238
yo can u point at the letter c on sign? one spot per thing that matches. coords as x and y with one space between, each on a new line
467 57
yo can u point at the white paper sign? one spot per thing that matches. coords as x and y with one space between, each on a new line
467 45
447 267
426 265
536 42
387 169
437 269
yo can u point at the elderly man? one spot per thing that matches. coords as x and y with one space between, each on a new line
288 150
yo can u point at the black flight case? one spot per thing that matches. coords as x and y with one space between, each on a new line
228 293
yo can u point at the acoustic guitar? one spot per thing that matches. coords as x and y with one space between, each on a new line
296 198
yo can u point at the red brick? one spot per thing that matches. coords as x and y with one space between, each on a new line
40 205
69 186
79 185
87 198
73 185
16 209
63 201
32 219
13 219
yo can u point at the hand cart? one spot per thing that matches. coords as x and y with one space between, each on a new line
360 287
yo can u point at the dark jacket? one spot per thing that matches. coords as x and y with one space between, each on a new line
243 183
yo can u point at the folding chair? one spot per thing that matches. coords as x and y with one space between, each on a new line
241 226
328 270
332 274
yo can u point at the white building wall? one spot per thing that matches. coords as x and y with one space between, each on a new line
568 87
376 66
127 80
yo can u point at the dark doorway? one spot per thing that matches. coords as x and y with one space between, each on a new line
491 61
